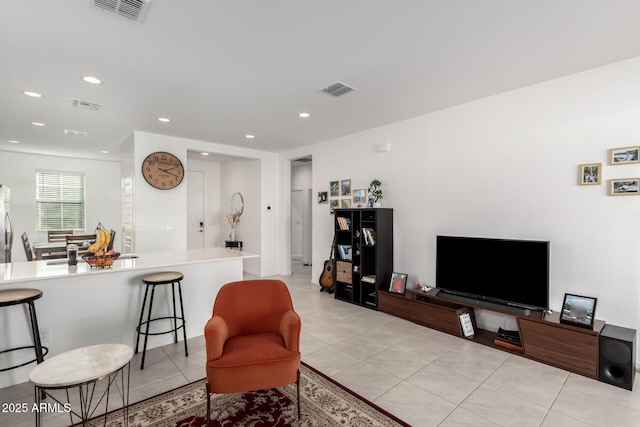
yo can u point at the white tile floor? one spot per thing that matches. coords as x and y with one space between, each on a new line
424 377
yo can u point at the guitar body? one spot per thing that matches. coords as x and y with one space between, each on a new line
328 277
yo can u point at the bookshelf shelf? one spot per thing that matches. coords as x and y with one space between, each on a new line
364 251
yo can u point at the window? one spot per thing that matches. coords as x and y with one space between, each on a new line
59 200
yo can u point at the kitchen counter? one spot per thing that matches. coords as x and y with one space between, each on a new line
50 269
83 306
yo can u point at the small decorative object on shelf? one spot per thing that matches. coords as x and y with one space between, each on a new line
101 259
398 283
375 194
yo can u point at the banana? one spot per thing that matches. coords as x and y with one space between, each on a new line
99 243
106 238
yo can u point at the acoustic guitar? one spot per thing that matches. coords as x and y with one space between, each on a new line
328 275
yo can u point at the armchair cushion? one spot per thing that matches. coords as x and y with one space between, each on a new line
253 362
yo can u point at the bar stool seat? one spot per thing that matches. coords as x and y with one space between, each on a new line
27 296
151 281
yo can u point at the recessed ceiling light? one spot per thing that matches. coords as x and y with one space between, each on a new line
304 115
37 124
164 119
249 136
204 154
92 80
104 151
32 94
13 141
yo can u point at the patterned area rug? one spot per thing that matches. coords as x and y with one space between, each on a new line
324 403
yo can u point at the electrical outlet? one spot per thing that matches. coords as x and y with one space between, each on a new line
44 335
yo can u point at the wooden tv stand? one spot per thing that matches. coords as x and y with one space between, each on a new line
544 339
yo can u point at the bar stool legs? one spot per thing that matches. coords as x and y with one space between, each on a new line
153 280
25 296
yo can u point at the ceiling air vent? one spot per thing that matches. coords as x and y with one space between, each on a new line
85 105
75 132
337 89
133 10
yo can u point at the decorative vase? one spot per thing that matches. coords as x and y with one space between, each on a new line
232 235
377 204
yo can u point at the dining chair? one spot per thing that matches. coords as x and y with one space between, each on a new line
58 235
27 246
82 240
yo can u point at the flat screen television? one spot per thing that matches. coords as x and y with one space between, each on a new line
503 271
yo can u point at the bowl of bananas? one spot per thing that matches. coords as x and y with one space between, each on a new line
101 259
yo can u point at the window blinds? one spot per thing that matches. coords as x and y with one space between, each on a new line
59 201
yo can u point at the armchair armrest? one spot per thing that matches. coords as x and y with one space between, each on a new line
216 332
290 330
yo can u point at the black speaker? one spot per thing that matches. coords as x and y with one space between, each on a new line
617 356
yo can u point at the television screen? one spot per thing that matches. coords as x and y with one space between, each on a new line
515 272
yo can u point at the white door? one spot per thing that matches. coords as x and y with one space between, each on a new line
195 209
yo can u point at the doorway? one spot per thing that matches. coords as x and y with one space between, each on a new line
301 212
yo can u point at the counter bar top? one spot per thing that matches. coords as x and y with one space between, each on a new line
29 271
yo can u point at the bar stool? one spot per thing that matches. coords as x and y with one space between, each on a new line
153 280
25 296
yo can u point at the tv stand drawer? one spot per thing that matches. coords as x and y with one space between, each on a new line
556 345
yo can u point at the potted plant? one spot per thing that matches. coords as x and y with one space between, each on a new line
375 193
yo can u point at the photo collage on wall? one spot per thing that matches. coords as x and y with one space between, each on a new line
342 196
591 173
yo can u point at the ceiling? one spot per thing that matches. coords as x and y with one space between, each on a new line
221 69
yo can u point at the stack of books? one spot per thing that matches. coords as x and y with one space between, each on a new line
508 339
369 279
369 235
344 223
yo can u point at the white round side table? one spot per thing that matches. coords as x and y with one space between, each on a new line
82 368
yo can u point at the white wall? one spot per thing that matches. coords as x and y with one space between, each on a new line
507 166
157 209
102 180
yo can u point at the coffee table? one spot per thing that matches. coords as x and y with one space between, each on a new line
82 368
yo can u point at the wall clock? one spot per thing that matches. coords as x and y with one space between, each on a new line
162 170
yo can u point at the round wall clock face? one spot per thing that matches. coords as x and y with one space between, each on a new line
162 170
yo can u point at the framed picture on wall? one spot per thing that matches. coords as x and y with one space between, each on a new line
333 205
323 197
360 197
624 187
345 203
624 155
590 174
334 188
345 187
578 310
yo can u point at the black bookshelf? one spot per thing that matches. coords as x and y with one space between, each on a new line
364 249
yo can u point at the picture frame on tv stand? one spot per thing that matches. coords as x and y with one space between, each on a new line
578 310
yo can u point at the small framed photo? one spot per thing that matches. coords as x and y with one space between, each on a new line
323 197
398 283
624 187
333 205
578 310
345 204
624 155
345 187
334 188
590 174
359 197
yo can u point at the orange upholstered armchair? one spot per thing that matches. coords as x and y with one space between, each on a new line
253 339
